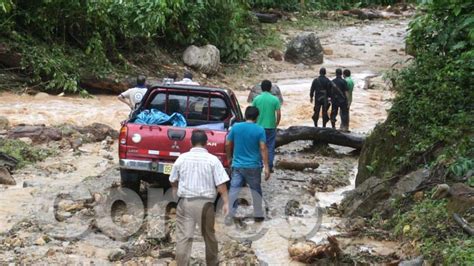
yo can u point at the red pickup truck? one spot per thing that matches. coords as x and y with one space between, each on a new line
147 152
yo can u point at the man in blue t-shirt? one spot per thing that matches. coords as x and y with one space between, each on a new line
246 149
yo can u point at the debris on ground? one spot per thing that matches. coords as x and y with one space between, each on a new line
238 253
310 252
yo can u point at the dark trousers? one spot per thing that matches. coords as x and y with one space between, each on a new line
344 114
270 135
318 106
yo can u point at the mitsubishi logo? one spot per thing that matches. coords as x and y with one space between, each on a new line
175 146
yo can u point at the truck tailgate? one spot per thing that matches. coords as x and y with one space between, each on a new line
166 143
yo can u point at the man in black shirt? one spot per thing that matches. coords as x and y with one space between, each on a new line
339 96
320 89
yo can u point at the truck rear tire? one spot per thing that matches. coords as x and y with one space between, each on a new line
130 179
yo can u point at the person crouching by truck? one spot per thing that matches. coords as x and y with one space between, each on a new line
194 178
134 95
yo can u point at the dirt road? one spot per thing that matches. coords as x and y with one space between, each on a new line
31 232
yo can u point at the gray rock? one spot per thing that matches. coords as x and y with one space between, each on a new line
276 55
205 59
418 261
363 200
305 48
5 177
257 90
4 123
410 182
116 254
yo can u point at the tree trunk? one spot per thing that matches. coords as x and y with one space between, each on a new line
267 18
104 85
325 135
297 166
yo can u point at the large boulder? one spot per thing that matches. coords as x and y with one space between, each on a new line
205 59
375 194
98 132
7 164
5 177
257 90
305 48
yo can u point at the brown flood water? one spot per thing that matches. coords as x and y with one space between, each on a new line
368 107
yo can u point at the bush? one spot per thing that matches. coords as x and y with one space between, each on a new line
430 124
438 238
61 40
24 153
432 115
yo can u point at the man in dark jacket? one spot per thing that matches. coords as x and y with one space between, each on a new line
320 89
339 97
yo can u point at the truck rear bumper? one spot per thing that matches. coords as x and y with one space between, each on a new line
139 165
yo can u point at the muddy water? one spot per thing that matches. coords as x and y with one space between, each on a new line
52 110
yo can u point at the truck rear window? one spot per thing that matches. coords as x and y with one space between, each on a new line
206 107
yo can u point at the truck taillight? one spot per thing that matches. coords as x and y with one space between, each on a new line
123 142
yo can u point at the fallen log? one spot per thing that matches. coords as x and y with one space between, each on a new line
325 135
266 18
8 161
107 85
297 166
370 14
463 224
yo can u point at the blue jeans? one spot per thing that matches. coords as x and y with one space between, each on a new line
270 135
253 178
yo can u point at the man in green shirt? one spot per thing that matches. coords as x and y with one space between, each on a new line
350 86
269 118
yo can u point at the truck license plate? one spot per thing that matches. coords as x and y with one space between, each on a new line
167 169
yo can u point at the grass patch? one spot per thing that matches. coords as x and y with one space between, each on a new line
429 226
23 152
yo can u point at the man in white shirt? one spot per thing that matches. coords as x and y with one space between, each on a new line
134 95
195 176
187 79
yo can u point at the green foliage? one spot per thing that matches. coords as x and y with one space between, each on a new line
61 40
23 152
432 115
439 238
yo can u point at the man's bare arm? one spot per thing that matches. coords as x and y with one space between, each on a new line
229 145
278 118
174 187
222 189
125 100
264 153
